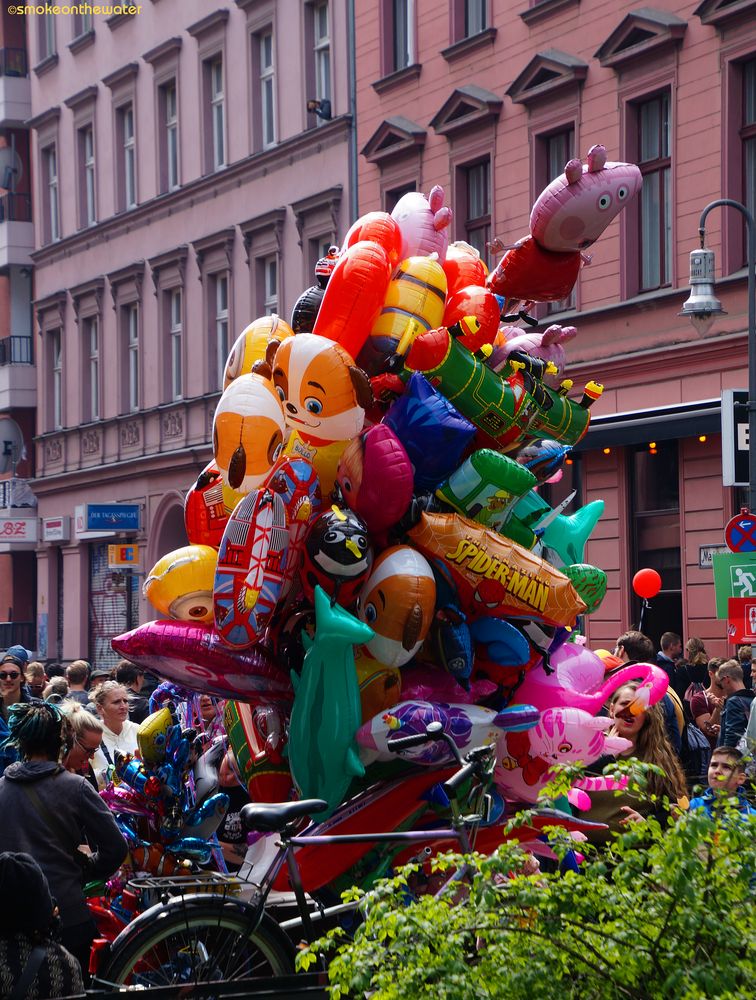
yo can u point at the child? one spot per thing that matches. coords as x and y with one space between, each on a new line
726 777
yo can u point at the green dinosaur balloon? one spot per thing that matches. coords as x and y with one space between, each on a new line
326 712
589 582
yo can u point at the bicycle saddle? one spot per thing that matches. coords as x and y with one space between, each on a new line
268 817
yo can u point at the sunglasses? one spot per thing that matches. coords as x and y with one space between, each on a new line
89 751
6 675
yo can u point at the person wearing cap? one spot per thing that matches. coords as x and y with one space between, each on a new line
96 679
13 691
32 963
53 813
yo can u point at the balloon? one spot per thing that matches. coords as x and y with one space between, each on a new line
380 686
203 820
496 577
477 301
326 712
207 507
180 584
251 562
375 478
397 602
528 272
561 735
422 682
193 655
376 227
354 296
589 582
248 430
468 726
647 583
297 483
153 858
257 735
565 535
433 433
305 312
547 345
543 457
337 555
463 267
251 344
423 223
414 304
151 735
576 207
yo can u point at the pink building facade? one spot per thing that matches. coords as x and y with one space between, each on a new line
490 100
183 187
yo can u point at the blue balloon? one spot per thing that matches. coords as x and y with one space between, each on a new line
504 643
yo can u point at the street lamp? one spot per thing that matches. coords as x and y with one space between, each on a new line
702 306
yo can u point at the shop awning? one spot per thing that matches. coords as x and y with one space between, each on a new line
660 423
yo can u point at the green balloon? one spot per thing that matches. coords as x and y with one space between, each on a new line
589 582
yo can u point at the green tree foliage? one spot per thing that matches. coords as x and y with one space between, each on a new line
667 911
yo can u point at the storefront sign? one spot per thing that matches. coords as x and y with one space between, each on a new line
734 437
56 529
734 576
101 520
18 529
123 556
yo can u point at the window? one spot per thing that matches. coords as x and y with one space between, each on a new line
91 352
222 346
82 23
475 17
130 321
56 370
267 90
401 35
47 44
215 70
392 195
748 135
87 208
127 173
269 267
169 141
477 182
174 318
52 206
655 244
322 50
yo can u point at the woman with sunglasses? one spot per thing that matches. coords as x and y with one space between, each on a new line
13 691
85 740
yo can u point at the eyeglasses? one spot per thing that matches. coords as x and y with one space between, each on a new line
7 676
89 751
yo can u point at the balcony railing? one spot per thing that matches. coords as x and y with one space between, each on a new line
16 351
13 62
15 208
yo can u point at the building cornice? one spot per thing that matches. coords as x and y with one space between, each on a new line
121 75
170 47
88 94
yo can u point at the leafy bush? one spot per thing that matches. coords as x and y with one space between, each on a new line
667 911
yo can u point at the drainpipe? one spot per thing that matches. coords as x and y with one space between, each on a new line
351 57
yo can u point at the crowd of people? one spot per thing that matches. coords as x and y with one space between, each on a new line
61 728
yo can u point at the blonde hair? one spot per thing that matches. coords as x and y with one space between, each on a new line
652 746
108 688
79 720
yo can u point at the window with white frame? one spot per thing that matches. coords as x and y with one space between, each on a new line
174 315
170 122
322 52
47 42
87 152
50 169
56 370
91 333
270 283
130 320
654 160
127 137
222 345
217 112
402 36
267 90
475 17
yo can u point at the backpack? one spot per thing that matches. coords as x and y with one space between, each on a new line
695 751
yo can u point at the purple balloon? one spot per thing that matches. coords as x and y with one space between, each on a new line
194 656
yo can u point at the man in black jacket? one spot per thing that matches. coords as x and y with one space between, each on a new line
737 706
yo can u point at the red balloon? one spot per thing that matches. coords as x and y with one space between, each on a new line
462 267
376 227
480 303
647 583
527 271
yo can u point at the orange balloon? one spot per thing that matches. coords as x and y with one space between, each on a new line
380 228
463 267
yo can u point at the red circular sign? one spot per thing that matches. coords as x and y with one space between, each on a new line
740 533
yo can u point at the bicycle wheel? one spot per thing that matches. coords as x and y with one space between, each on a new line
200 942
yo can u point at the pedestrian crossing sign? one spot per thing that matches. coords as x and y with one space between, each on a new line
734 576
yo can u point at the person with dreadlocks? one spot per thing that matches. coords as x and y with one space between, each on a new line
50 813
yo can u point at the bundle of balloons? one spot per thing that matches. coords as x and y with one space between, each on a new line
166 818
368 550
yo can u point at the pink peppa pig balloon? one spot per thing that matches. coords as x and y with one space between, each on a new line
547 345
575 209
424 223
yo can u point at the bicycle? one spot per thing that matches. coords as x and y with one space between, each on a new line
192 938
